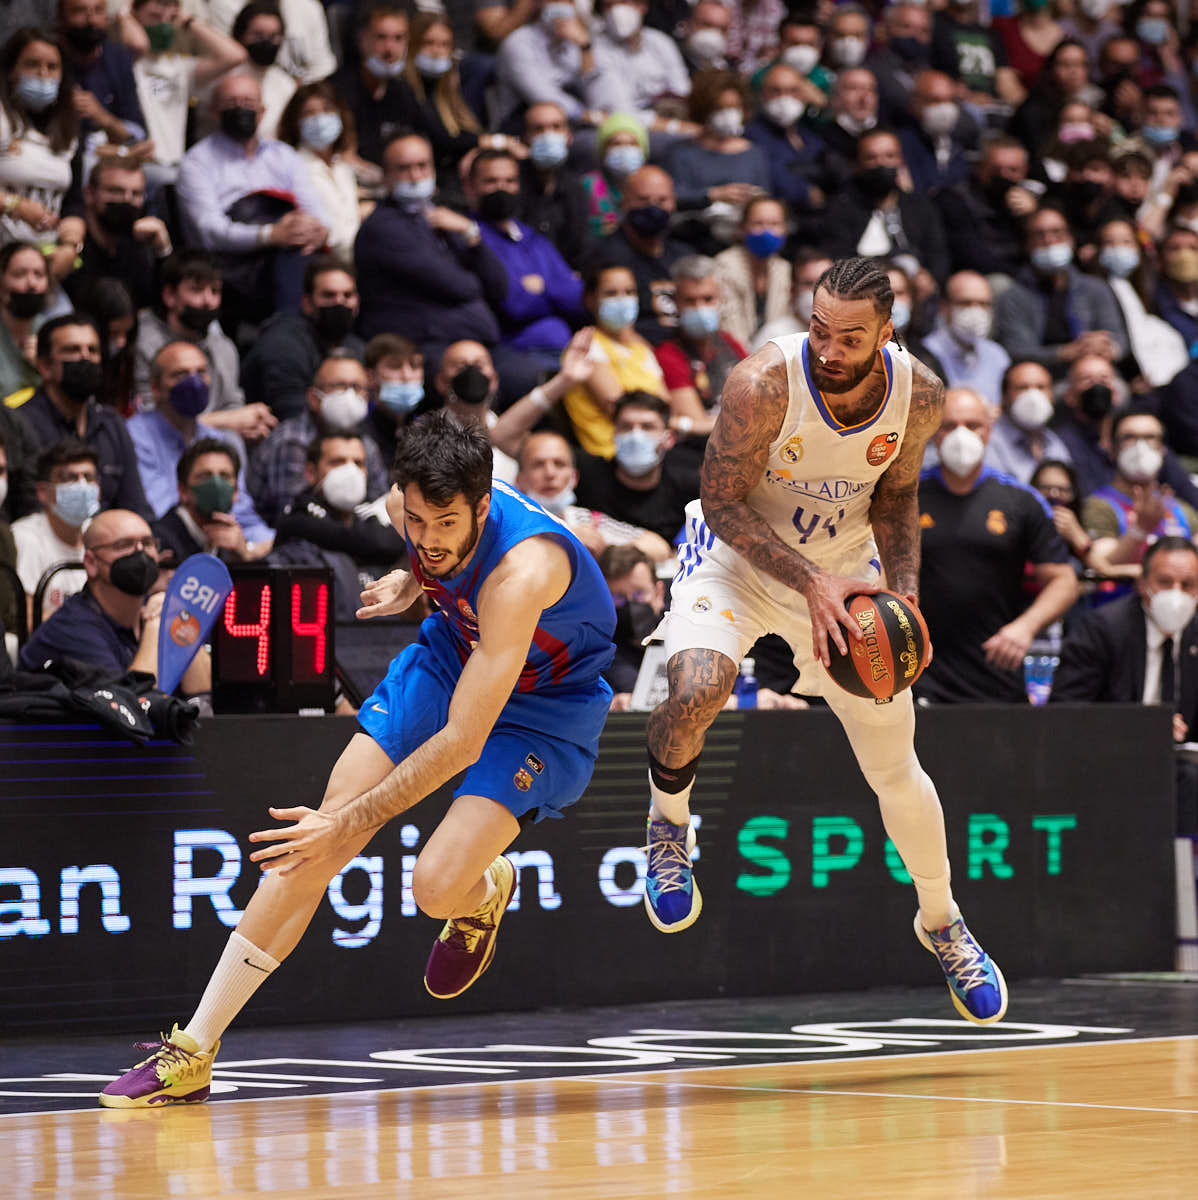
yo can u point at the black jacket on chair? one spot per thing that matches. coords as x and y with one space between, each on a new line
845 222
1103 659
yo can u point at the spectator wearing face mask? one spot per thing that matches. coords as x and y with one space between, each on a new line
1177 292
23 286
637 486
721 170
639 597
289 348
337 401
549 475
1053 313
121 242
623 361
395 368
1131 511
801 45
961 341
704 36
202 521
904 49
68 489
1157 352
67 405
1021 438
1056 481
544 296
1143 649
179 382
623 148
305 53
935 145
794 153
425 267
754 277
192 288
978 532
259 28
168 82
318 125
553 200
852 111
635 67
324 525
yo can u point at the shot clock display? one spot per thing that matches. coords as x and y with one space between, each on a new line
272 645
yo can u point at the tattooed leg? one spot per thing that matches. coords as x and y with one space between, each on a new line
700 682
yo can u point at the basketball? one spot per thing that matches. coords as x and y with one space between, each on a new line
893 652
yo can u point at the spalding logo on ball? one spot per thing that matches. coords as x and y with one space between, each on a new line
892 653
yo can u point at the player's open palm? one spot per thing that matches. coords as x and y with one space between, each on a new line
826 597
393 593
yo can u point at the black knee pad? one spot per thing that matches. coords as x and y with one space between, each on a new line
672 779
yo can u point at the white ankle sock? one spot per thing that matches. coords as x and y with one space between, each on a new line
491 889
674 807
241 970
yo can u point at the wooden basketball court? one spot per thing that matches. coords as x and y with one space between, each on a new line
1117 1119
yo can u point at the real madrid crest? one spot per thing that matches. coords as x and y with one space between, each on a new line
792 450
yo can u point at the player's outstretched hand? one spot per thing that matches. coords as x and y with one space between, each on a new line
313 836
396 592
826 595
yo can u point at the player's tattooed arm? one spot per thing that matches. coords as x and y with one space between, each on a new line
894 511
752 408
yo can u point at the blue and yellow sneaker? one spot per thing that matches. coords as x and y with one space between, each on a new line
178 1072
672 897
974 981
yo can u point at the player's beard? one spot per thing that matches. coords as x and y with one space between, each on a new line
852 374
453 560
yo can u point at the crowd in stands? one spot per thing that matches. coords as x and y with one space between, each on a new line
242 246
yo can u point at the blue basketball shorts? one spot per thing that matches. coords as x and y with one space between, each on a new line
531 774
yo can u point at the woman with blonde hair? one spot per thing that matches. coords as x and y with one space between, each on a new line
432 74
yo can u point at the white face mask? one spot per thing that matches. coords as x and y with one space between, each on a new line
805 306
784 110
344 487
802 58
970 322
1031 409
558 502
343 409
707 45
1140 462
1172 610
939 120
961 451
1094 9
730 122
624 21
849 51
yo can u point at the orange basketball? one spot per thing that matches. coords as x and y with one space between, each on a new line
891 655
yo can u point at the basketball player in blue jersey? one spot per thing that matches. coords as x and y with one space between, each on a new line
809 496
521 630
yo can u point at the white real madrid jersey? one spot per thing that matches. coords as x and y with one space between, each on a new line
820 475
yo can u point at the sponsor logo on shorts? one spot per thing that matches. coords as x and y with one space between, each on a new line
185 629
791 450
466 611
701 605
996 522
881 448
522 779
534 764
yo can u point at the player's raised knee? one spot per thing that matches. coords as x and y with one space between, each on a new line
436 895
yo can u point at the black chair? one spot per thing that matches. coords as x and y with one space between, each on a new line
43 585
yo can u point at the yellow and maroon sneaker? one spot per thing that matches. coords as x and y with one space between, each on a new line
467 944
178 1072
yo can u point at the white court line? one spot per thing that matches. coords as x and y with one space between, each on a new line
769 1091
627 1077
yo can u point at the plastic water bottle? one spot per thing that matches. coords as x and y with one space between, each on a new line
1040 664
746 684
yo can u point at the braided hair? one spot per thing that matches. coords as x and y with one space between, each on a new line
859 279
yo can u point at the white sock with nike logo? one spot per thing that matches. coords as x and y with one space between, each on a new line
241 970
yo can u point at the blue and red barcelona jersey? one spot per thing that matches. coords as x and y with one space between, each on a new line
572 644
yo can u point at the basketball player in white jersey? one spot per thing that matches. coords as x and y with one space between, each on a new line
809 496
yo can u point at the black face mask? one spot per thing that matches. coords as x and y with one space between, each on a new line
24 305
635 621
996 191
333 321
498 206
470 385
1096 401
262 53
134 574
196 317
85 38
81 379
650 220
1082 193
877 182
240 124
119 216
